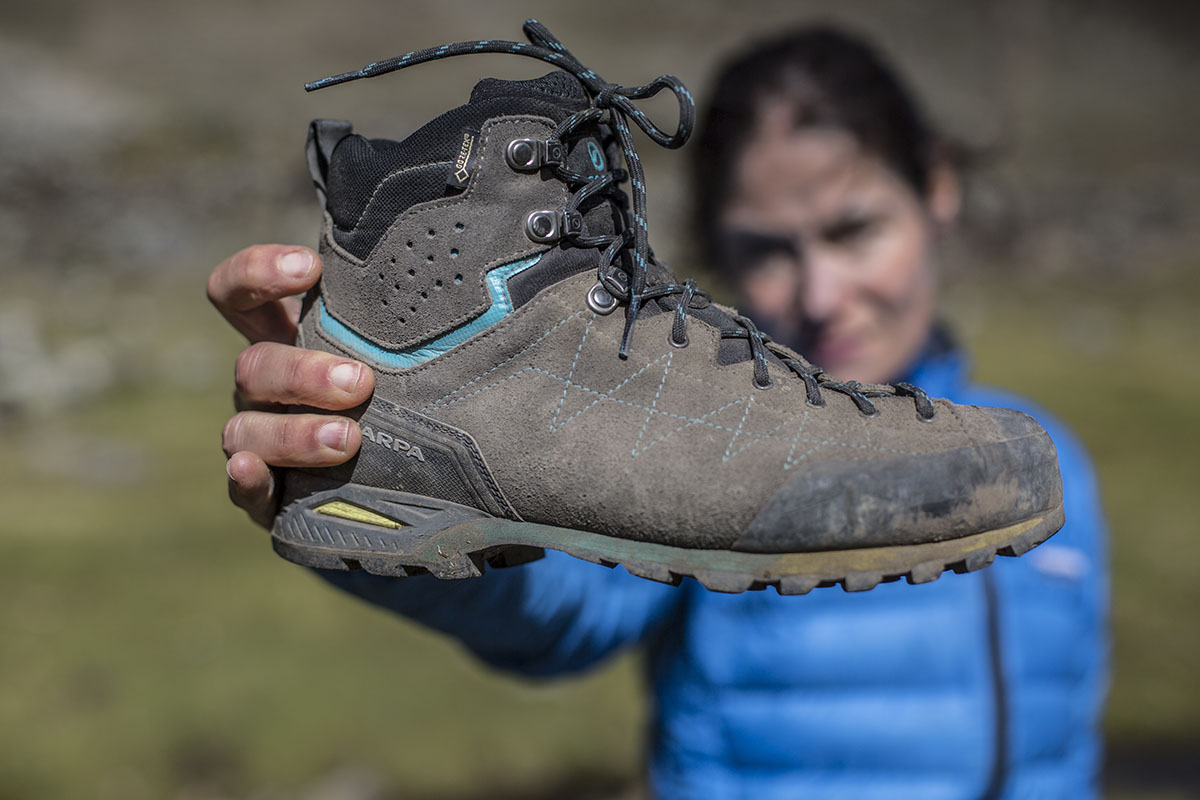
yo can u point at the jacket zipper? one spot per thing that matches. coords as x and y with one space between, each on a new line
999 771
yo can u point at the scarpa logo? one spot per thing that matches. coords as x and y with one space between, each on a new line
596 155
392 442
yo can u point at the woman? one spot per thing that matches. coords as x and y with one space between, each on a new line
822 192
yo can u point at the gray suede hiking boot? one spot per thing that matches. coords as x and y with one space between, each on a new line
542 381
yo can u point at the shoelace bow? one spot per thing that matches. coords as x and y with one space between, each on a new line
635 288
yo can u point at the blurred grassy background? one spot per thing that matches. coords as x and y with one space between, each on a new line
153 646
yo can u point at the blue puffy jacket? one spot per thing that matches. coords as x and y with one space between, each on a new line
983 685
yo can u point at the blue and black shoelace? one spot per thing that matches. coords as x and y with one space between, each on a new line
614 104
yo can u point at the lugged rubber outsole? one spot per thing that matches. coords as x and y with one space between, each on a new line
453 542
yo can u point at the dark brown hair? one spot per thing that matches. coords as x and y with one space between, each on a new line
828 78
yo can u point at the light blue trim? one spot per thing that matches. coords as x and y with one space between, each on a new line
496 281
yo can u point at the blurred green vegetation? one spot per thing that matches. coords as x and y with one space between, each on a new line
155 647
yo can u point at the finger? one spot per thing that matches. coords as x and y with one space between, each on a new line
252 487
292 440
291 308
248 287
269 373
261 274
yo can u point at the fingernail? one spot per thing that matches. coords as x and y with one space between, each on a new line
334 435
346 377
296 264
229 470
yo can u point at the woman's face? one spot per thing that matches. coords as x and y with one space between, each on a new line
831 251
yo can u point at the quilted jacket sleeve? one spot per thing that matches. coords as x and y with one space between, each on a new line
552 616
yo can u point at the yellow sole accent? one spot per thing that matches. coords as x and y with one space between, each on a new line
344 510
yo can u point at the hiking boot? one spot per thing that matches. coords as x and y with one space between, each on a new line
542 381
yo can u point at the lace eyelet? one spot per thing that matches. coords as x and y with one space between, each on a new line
600 300
572 223
924 418
620 278
686 341
524 155
763 386
542 226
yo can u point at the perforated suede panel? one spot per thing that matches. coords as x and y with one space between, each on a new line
425 277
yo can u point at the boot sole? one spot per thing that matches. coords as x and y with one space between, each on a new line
391 533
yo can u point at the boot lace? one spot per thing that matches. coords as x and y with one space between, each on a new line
613 104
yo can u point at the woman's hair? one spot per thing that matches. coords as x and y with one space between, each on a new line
827 78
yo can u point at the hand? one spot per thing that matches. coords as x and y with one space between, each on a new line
255 290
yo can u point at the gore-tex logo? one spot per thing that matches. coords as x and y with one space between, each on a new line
392 442
464 162
464 155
